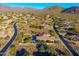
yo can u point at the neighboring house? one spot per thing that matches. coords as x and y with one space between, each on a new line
45 36
7 22
2 34
75 38
1 27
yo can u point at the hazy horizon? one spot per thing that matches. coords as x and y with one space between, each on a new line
39 5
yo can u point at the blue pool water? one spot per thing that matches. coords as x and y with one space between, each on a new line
34 38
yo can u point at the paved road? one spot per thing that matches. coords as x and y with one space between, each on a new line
10 42
71 34
65 42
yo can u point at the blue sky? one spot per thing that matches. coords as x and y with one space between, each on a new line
40 5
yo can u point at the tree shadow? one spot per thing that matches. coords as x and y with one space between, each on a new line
21 52
42 50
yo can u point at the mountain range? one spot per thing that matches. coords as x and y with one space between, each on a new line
52 9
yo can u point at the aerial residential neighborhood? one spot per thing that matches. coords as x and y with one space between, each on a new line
50 31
